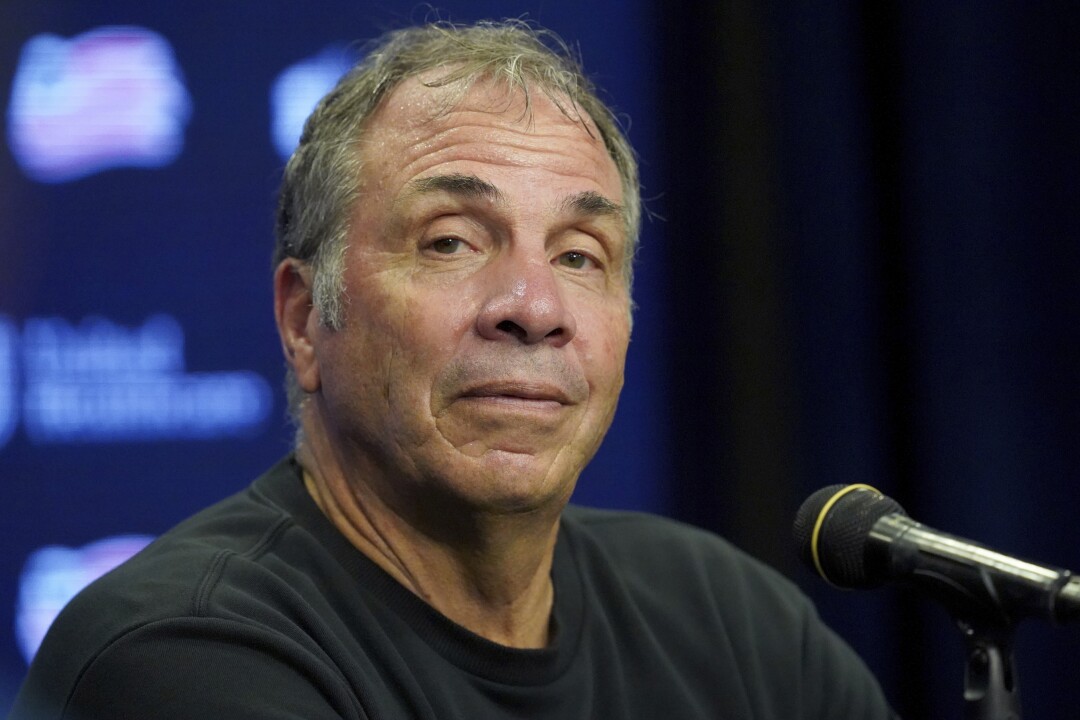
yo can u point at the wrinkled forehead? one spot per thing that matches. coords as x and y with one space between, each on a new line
425 106
424 121
429 96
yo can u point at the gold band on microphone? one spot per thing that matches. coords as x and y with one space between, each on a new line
821 521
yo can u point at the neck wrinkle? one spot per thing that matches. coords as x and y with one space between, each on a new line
496 584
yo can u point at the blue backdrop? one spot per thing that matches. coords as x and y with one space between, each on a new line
861 266
139 367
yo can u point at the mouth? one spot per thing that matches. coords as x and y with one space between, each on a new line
523 417
516 393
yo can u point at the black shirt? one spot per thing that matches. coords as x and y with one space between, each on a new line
259 608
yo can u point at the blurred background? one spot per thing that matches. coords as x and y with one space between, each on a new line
861 266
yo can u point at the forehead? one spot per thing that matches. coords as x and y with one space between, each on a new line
421 130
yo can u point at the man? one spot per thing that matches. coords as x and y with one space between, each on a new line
452 291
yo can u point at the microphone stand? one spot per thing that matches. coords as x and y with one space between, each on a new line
991 689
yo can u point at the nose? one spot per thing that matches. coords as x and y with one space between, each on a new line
524 302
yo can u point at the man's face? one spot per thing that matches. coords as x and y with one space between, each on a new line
487 312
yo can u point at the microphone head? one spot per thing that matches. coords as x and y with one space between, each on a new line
831 531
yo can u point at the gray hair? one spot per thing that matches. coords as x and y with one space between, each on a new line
322 177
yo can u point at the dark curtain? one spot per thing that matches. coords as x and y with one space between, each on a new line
872 235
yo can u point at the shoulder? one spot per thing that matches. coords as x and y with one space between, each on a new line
671 570
623 528
713 605
661 548
182 668
196 586
172 576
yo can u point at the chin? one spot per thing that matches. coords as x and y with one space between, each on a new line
513 483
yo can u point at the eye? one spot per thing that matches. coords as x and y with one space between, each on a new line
447 246
575 260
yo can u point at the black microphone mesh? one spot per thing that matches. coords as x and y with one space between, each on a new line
841 542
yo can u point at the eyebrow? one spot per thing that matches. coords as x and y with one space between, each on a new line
588 203
466 186
592 203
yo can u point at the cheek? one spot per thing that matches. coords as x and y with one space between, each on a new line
432 321
604 352
365 352
427 329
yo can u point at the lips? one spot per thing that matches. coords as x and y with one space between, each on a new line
539 380
511 390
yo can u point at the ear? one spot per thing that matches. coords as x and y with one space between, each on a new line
297 321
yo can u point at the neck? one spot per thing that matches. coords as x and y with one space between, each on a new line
488 573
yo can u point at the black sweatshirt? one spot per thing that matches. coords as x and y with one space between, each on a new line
259 608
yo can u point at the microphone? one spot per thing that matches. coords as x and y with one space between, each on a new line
855 537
